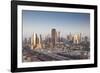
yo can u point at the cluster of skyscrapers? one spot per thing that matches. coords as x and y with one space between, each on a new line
55 47
38 42
54 40
76 38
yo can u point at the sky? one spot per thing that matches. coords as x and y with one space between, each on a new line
42 22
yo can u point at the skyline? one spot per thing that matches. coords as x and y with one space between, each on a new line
42 22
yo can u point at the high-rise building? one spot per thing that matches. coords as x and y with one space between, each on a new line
77 38
53 37
33 41
36 42
85 38
70 37
40 43
25 41
24 44
58 37
29 42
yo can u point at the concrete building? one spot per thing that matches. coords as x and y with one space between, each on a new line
33 41
36 42
53 37
77 38
58 37
40 43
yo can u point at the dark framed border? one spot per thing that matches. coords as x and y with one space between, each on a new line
14 5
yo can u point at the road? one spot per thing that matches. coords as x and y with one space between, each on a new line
31 56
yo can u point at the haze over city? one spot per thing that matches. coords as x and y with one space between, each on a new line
55 36
41 22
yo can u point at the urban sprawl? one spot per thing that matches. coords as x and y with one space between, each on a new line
54 47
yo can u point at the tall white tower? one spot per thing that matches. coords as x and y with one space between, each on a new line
33 41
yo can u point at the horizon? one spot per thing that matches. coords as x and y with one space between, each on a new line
41 22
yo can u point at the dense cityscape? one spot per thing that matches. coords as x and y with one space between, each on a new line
55 47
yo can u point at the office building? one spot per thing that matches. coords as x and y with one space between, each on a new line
53 37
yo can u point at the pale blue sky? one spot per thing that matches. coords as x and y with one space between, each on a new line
41 22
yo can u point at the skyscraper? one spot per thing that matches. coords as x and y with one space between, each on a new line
36 42
53 37
77 38
40 43
58 37
37 39
33 41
